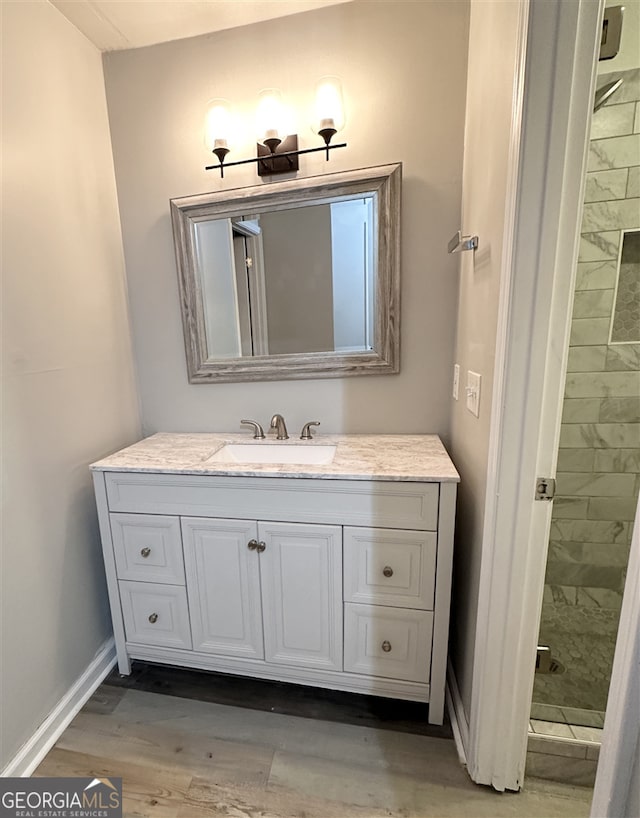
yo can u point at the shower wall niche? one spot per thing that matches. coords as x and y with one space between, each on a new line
598 474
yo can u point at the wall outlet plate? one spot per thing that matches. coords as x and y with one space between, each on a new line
456 381
473 392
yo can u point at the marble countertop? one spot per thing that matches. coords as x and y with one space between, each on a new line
416 458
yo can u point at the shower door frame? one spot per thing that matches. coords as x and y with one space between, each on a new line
549 176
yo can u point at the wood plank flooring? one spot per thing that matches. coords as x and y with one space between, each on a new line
186 758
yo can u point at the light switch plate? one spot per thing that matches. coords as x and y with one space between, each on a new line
456 380
473 393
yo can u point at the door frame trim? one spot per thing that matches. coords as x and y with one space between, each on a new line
558 50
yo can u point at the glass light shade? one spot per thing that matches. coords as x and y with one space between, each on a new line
218 129
271 116
329 108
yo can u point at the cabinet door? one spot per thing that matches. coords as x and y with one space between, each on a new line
301 578
223 584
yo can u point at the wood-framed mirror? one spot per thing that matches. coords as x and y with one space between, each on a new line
297 279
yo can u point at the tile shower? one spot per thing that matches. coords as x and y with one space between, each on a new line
598 474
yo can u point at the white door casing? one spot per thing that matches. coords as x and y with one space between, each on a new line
558 47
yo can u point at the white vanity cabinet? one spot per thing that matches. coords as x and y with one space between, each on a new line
268 591
323 581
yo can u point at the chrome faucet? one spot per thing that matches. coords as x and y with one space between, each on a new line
277 423
306 430
258 431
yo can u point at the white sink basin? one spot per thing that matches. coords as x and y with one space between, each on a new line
276 453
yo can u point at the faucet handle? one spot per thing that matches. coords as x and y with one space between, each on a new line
257 429
306 430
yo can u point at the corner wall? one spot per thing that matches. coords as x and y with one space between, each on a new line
403 68
68 396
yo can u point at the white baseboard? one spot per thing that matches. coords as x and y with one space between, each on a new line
457 716
35 748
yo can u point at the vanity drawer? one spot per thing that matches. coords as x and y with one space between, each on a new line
391 642
148 548
378 503
155 614
390 567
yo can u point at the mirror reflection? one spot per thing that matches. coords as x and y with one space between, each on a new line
298 279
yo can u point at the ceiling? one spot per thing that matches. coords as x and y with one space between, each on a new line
117 24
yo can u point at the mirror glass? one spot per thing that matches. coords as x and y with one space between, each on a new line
299 279
293 280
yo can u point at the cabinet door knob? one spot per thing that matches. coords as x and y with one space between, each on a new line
252 545
153 618
387 571
261 547
145 551
386 646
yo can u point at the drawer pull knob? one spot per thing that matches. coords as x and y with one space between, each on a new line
261 547
387 571
153 618
252 545
386 646
145 551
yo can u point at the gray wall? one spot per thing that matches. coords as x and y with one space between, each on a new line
67 386
403 67
492 69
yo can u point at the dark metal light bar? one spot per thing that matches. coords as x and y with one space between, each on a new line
266 159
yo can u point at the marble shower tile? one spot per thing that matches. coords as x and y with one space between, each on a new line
610 555
587 358
589 331
590 531
576 460
560 595
581 410
584 576
604 185
613 215
586 718
607 599
620 410
551 728
623 460
599 435
597 275
599 246
622 357
554 745
595 485
570 508
613 120
618 152
578 771
602 385
633 183
614 508
546 712
587 733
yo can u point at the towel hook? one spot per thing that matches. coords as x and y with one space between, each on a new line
459 243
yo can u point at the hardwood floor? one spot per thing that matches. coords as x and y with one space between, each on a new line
182 757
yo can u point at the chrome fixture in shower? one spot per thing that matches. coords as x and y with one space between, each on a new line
605 92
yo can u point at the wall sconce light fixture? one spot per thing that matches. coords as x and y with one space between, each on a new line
277 148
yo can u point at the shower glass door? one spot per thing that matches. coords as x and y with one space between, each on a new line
598 473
